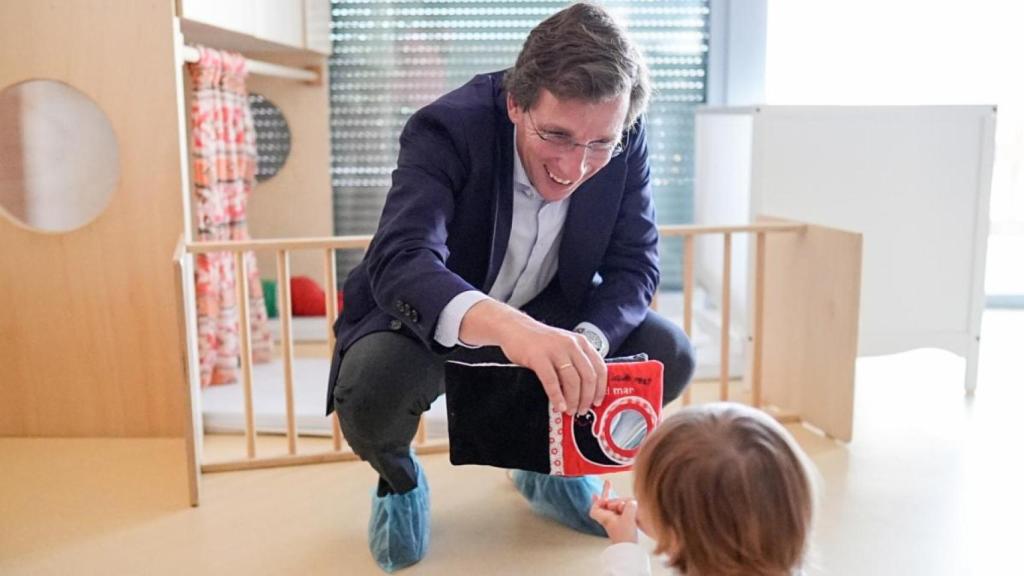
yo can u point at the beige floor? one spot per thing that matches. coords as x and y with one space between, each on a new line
931 484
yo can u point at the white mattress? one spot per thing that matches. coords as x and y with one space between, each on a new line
705 334
304 329
223 411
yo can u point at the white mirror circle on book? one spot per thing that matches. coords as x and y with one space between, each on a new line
629 428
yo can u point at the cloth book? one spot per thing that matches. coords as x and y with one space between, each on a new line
499 415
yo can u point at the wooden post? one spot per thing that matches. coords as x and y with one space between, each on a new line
421 431
331 306
184 280
688 242
723 381
759 271
245 349
287 345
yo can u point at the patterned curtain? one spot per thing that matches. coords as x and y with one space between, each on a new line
224 157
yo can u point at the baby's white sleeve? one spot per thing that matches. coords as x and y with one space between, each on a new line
625 559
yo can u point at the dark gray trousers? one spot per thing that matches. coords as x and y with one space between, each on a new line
387 380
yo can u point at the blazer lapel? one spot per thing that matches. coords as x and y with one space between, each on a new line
501 219
588 226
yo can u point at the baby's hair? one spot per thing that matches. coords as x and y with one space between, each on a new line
727 491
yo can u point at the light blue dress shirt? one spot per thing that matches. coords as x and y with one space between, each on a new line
531 259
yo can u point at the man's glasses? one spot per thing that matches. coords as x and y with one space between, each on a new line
563 144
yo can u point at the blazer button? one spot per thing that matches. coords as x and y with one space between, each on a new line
395 324
414 316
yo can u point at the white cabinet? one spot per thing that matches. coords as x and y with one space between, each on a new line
279 21
318 26
301 24
914 180
233 15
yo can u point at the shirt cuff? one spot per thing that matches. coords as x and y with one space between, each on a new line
594 336
450 320
625 558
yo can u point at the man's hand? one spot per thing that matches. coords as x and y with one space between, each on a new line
573 374
617 516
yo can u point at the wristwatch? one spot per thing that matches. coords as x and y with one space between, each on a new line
593 337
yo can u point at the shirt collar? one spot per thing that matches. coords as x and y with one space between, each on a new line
520 180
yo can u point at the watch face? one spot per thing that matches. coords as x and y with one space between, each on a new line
593 338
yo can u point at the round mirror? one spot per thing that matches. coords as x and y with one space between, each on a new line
629 428
59 162
273 137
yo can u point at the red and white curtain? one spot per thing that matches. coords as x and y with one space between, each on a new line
224 165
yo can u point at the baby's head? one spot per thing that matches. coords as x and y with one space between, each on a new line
724 490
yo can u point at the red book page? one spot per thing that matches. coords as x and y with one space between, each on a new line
607 438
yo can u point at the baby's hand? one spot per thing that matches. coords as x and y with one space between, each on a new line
617 516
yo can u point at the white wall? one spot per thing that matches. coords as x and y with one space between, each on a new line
892 51
736 58
914 52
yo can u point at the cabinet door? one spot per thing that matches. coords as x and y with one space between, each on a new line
234 15
318 26
280 21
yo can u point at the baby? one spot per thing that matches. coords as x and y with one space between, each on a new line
723 490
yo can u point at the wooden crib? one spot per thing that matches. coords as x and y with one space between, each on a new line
800 355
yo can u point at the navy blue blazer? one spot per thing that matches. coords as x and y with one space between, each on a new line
447 219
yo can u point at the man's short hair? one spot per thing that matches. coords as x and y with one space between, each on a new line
580 53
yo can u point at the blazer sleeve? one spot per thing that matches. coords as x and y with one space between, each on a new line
406 260
628 272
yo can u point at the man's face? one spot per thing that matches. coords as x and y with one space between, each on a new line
550 138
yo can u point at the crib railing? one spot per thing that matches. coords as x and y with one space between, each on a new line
806 285
688 234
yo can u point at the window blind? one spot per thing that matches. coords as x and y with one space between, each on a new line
390 58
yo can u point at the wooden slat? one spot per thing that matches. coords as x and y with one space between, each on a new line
697 229
331 305
330 293
688 284
287 345
183 278
756 397
688 242
362 241
290 244
723 378
781 415
439 447
336 435
421 432
245 343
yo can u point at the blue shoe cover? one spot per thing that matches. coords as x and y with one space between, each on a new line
400 526
563 499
